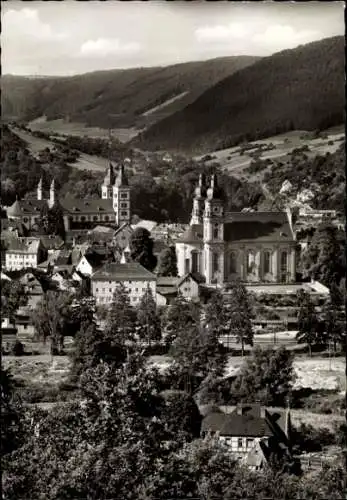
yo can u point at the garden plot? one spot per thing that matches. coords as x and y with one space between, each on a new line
320 373
38 369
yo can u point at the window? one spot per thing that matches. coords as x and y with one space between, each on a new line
107 217
124 213
110 289
186 266
124 195
195 262
267 262
215 231
83 218
124 205
232 263
249 442
284 266
239 443
215 262
250 261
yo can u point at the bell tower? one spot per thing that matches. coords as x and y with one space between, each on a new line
198 201
214 233
121 196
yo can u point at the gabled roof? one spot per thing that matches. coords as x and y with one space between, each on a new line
50 242
87 206
123 272
26 207
23 245
15 210
122 227
259 226
167 281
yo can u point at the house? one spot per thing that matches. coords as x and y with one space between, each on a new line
121 237
188 286
250 246
132 275
23 253
84 266
168 287
33 288
24 324
250 432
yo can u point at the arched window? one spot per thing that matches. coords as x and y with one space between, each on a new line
284 265
95 218
83 218
250 261
107 218
215 231
195 261
267 262
215 262
232 263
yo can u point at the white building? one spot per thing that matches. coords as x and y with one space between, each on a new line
23 253
132 275
251 246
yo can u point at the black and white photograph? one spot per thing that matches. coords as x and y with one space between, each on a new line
173 250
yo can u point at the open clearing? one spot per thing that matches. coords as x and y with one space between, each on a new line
316 373
84 162
61 126
231 161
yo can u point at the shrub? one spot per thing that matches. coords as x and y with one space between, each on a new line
17 348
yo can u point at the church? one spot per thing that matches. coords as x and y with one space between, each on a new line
254 247
112 209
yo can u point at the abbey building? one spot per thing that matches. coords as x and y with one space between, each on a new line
113 208
250 246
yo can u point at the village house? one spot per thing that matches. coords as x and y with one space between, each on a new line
23 253
32 288
133 276
251 433
168 287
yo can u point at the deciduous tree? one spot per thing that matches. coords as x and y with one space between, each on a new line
148 319
168 262
239 314
141 248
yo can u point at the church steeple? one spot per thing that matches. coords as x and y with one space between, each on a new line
52 193
121 196
39 190
198 201
109 179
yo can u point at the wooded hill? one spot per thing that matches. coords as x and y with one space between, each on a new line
116 98
302 88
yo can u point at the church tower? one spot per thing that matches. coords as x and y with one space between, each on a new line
214 234
39 190
52 195
107 185
198 201
121 196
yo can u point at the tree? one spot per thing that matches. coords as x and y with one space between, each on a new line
215 316
181 314
51 318
11 411
13 296
325 258
121 320
148 319
239 314
141 248
267 375
309 327
334 321
198 354
168 262
56 221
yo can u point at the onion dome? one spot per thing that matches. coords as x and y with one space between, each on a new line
214 191
200 191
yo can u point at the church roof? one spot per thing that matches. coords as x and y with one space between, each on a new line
259 226
26 207
15 209
193 234
85 206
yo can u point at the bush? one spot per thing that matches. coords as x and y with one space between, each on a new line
17 349
307 439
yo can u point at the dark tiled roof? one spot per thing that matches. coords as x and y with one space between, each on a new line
167 281
167 290
260 226
123 272
50 242
26 207
192 234
85 206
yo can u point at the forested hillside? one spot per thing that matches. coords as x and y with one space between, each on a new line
302 89
116 98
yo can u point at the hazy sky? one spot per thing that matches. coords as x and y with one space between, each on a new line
68 37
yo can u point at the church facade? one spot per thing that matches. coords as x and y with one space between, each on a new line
249 246
114 207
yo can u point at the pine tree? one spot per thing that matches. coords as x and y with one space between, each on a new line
121 320
148 319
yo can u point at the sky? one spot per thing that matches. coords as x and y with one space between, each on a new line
69 37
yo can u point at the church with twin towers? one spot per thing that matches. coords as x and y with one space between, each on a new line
254 247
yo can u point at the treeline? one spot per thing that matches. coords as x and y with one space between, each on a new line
270 97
